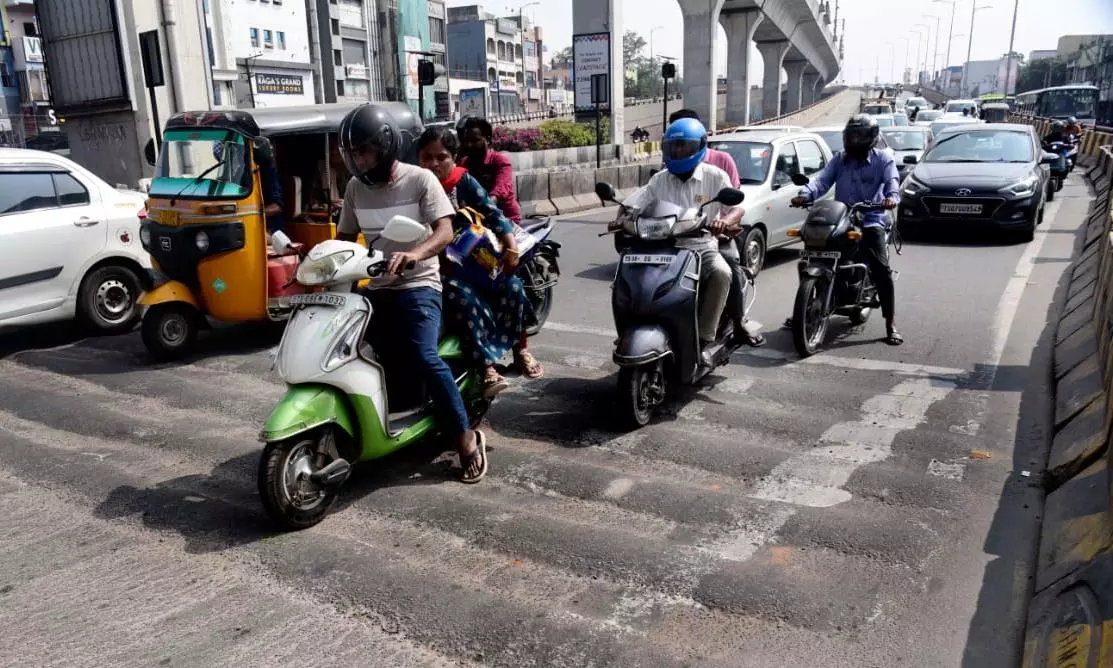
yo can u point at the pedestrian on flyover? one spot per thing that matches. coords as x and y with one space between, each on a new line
491 320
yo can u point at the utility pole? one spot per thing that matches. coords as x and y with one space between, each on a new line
1009 59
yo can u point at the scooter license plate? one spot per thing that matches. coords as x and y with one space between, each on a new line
317 299
826 255
637 258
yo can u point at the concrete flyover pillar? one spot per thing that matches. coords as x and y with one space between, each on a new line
701 25
590 16
811 87
773 53
795 71
740 27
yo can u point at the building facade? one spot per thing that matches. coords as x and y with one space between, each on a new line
486 48
30 121
438 46
349 48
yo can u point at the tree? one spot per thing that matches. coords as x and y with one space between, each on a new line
632 45
562 60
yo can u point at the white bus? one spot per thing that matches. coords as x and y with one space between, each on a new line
1061 102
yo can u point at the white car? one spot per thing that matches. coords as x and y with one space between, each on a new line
69 244
955 107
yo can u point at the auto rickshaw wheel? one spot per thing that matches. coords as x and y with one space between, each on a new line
169 330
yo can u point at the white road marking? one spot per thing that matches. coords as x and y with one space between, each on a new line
816 477
855 363
578 329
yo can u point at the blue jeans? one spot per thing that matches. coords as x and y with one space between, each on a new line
412 319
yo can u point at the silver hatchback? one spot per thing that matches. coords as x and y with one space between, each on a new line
766 162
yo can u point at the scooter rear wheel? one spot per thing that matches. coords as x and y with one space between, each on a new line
290 499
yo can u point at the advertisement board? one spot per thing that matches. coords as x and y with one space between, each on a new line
591 54
473 102
279 84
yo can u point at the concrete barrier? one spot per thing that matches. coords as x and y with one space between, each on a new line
1070 619
533 195
629 180
561 192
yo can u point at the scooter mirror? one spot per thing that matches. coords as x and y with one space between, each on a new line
910 160
605 191
729 197
800 180
1048 158
403 230
280 243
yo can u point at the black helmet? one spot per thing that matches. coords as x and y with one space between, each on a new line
1072 121
860 134
1058 126
370 127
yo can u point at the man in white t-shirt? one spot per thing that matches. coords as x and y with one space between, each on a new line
408 299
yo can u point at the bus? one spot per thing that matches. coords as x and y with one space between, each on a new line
1061 102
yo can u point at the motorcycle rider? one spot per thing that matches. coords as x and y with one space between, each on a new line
688 182
1058 133
1074 128
728 246
410 300
864 173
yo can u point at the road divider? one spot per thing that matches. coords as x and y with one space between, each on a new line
1070 620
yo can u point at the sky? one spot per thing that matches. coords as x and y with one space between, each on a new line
869 28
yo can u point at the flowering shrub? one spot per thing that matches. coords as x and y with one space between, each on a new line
514 141
557 133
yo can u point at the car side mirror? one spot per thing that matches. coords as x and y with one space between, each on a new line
800 179
605 192
910 159
150 152
729 197
1048 158
403 230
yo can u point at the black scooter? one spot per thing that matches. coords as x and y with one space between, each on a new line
833 279
655 300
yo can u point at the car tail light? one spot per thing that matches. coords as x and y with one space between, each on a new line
143 213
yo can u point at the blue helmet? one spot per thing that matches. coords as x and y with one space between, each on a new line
684 145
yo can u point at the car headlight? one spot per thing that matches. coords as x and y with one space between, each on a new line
321 270
913 188
1025 188
145 236
202 241
346 344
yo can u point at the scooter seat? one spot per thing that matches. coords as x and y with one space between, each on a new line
535 224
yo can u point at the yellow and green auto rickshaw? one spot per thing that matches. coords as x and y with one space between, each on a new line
995 112
206 226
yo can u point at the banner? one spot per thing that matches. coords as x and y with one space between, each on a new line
279 84
591 54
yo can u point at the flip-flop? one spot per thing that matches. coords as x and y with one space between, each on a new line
894 338
492 387
529 365
481 452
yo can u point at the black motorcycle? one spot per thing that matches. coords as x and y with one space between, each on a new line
833 278
655 299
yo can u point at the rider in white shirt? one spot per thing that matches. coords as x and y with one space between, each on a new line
688 182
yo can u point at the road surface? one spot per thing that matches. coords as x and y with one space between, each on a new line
871 506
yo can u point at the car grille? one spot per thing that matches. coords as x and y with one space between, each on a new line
989 205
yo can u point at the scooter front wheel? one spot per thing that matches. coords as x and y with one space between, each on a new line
809 316
640 389
290 497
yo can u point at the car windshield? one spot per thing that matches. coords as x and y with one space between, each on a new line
218 157
751 158
905 140
833 139
940 126
982 146
878 109
956 106
928 115
917 102
884 121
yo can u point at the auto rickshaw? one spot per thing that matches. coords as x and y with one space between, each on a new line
206 227
995 112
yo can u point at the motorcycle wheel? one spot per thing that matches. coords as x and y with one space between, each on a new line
809 322
289 498
542 301
640 388
1052 186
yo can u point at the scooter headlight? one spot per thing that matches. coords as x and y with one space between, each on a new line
319 271
202 241
345 344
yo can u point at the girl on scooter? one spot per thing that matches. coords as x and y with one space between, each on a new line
492 321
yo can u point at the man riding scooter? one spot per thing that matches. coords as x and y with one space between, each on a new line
384 187
687 181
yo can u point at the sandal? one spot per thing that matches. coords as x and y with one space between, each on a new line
894 338
528 365
493 385
466 460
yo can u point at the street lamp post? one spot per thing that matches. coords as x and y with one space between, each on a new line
920 41
935 51
522 34
950 33
892 61
907 44
970 42
652 62
1009 58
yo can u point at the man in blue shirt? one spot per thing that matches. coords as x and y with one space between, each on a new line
864 173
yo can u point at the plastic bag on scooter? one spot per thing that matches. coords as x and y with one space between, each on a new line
476 252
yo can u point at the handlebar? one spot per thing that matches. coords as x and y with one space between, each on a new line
379 268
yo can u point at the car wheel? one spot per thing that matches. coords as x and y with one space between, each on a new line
107 300
753 250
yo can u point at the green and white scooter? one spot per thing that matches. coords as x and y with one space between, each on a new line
337 411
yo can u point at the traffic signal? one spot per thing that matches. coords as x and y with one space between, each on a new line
668 71
428 71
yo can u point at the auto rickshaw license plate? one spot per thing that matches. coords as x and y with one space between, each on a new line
318 299
169 218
